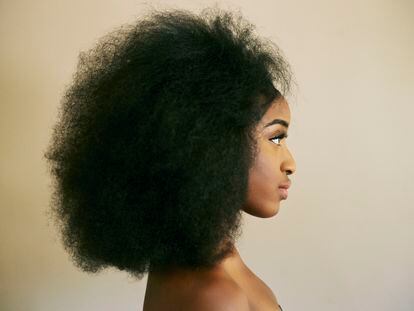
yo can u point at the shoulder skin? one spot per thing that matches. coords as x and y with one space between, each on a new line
218 296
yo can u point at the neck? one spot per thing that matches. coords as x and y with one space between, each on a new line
233 264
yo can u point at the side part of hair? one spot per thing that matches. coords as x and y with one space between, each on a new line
152 148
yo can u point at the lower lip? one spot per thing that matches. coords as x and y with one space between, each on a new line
283 193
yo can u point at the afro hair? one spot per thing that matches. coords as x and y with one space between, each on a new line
152 147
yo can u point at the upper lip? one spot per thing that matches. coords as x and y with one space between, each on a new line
285 185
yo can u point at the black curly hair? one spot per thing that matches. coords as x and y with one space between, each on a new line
153 144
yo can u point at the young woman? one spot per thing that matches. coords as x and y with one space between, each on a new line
171 129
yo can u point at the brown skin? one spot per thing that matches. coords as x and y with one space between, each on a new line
231 285
273 163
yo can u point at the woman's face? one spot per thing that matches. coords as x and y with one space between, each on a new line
273 163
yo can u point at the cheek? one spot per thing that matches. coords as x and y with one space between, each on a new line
263 179
265 168
263 196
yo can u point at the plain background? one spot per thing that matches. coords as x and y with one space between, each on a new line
344 240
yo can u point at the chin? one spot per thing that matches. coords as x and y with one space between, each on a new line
265 211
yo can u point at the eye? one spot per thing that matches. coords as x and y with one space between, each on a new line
277 139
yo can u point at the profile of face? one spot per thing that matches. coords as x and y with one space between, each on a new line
273 162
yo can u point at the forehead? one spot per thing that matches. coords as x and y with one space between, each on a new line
279 109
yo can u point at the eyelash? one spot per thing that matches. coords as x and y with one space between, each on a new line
280 137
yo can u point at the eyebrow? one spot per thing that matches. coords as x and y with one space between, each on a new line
278 121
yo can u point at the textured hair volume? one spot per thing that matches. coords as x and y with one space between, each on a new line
153 144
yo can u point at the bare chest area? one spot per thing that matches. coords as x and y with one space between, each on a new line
161 295
260 296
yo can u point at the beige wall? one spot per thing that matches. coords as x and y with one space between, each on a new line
343 240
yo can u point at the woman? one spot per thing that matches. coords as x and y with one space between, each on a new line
171 128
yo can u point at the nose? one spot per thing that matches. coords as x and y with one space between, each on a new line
288 164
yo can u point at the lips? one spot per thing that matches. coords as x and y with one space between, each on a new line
283 193
283 190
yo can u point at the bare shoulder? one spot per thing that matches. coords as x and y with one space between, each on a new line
218 295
